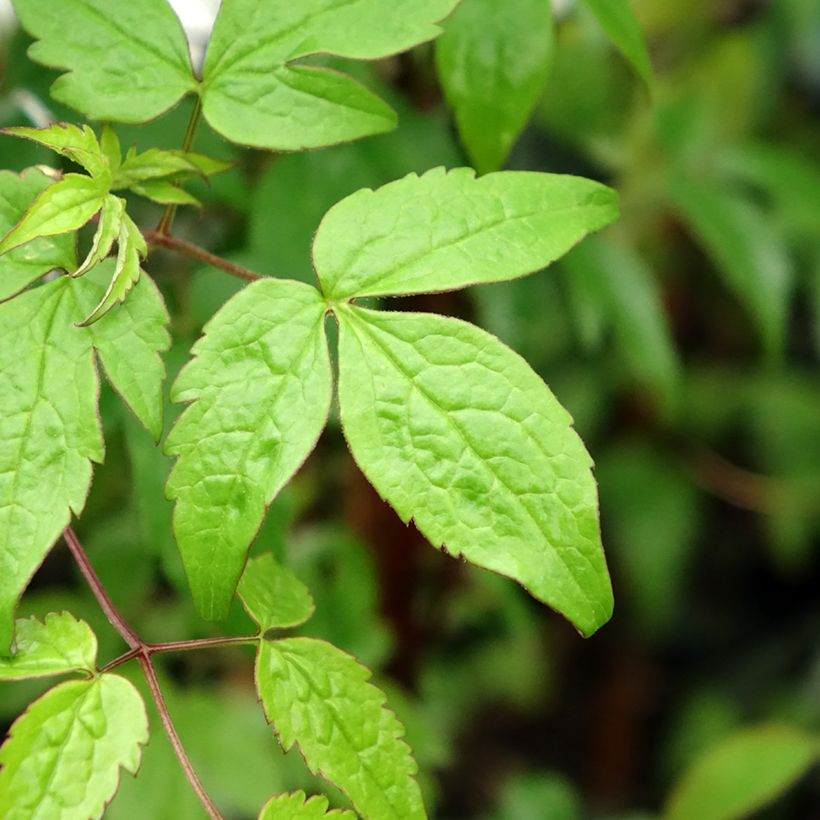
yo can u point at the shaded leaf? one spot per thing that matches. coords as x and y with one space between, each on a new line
319 698
444 231
492 61
457 432
273 596
619 22
260 381
63 756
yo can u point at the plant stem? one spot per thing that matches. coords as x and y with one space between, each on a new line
165 240
201 643
167 220
142 651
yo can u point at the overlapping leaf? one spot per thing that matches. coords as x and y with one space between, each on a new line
78 143
55 646
126 62
493 60
446 230
63 757
261 384
49 429
457 432
254 94
273 596
295 807
24 265
319 698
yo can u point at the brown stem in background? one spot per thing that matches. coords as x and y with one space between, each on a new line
164 240
142 652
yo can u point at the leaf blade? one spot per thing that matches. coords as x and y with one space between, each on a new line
441 417
273 596
295 806
394 241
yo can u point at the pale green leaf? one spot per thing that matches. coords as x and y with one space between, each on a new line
49 426
746 249
165 193
457 432
108 230
78 143
295 807
743 774
261 384
126 62
63 757
132 249
62 207
319 698
254 94
111 147
55 646
446 230
273 596
621 26
493 60
24 265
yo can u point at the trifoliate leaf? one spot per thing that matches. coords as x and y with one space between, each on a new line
55 646
493 60
273 596
444 231
621 26
49 426
132 249
126 62
63 757
456 431
254 94
108 230
293 807
743 774
79 144
24 265
62 207
319 698
261 384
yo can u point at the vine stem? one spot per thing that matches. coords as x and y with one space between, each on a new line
161 239
167 220
143 652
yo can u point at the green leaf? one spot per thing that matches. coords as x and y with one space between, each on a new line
24 265
77 143
746 250
260 381
456 431
156 163
55 646
293 807
49 426
493 61
743 774
62 207
125 63
273 596
132 249
444 231
254 94
63 757
165 193
319 698
621 26
108 230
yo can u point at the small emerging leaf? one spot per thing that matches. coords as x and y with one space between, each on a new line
24 265
165 193
55 646
456 431
273 596
108 229
293 807
62 207
743 774
77 143
260 381
319 698
63 756
156 163
446 230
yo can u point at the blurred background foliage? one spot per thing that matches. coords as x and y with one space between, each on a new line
685 341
